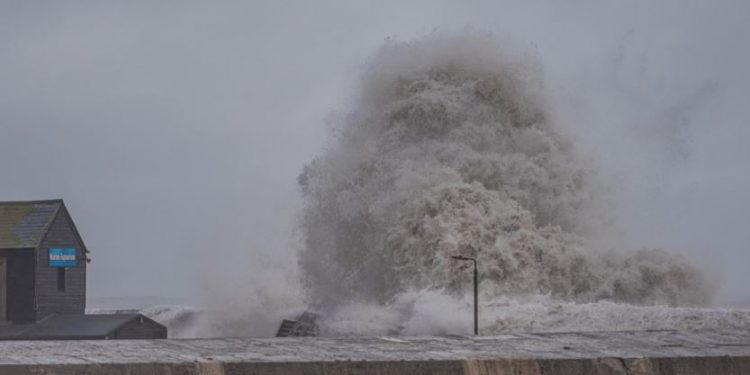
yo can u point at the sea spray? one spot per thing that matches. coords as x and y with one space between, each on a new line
449 149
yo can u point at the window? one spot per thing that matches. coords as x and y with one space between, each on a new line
61 279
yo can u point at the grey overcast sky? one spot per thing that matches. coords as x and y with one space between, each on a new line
175 130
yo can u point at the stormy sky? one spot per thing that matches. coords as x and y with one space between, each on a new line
175 130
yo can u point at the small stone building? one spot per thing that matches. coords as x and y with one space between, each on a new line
43 278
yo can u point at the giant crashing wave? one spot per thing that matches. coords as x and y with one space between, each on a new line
450 148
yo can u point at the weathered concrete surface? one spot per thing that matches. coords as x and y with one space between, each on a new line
647 353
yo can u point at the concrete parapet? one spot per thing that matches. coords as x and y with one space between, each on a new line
633 353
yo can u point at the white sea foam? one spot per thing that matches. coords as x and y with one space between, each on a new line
431 313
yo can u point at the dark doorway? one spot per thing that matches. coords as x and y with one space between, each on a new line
61 279
3 293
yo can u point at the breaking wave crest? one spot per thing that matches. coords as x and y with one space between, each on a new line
451 149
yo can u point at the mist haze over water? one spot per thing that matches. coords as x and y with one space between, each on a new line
176 133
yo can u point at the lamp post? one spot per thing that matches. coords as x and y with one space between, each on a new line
476 291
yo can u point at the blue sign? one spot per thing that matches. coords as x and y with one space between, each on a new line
65 257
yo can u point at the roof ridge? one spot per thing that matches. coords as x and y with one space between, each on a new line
60 200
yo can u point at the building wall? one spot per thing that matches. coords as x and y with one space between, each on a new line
49 300
148 329
20 285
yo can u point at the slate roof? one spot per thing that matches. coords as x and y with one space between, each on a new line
69 327
24 224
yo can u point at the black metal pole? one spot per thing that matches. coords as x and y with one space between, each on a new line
476 298
476 290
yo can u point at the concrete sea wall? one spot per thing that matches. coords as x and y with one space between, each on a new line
599 366
646 353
